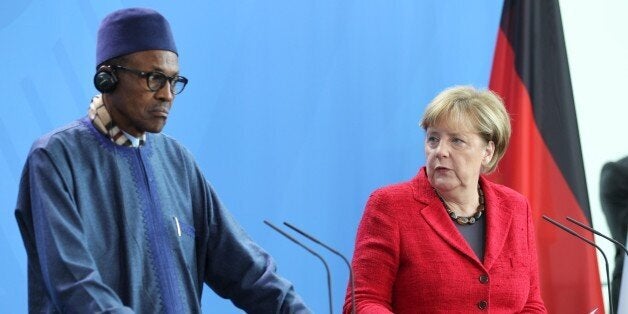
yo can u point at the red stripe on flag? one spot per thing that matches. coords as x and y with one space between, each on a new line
568 267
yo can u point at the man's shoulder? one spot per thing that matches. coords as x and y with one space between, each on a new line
615 170
169 144
61 134
166 141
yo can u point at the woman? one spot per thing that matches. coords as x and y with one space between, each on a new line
449 240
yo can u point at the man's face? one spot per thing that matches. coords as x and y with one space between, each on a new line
133 106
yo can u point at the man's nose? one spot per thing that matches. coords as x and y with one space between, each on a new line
165 92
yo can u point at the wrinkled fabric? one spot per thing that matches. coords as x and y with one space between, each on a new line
118 229
410 257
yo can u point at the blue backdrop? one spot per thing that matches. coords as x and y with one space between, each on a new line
295 110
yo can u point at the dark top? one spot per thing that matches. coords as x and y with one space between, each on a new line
475 235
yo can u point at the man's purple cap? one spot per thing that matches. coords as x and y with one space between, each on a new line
131 30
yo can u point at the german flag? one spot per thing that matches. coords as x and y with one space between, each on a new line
544 160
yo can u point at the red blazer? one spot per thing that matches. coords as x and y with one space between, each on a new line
410 258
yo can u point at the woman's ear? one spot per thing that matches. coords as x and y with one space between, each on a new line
488 153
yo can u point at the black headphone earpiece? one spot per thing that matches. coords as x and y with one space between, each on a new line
105 79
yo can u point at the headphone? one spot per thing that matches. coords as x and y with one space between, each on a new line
105 79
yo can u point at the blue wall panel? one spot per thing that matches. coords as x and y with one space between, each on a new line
296 110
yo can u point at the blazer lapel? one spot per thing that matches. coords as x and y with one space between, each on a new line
437 218
499 218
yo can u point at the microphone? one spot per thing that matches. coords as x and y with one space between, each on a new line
608 279
599 233
315 254
315 240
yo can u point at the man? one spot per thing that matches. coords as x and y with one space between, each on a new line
118 218
614 198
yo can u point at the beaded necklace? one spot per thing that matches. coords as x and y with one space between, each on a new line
465 220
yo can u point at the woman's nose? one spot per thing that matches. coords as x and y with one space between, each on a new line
441 149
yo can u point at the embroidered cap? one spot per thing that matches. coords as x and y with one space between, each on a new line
131 30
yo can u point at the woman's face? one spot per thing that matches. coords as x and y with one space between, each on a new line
455 155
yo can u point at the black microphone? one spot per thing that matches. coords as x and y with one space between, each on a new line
599 233
351 281
315 254
608 278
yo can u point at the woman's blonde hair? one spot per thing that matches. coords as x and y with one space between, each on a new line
481 110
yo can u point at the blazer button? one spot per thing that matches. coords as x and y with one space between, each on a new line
482 305
483 278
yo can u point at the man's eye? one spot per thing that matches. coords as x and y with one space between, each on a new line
157 77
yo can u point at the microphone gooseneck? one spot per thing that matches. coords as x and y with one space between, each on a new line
599 233
313 253
315 240
575 234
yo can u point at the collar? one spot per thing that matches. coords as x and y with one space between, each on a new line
498 215
101 119
135 141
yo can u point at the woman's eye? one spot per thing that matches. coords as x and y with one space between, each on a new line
458 142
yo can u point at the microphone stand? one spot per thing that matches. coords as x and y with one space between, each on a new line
351 281
313 253
575 234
